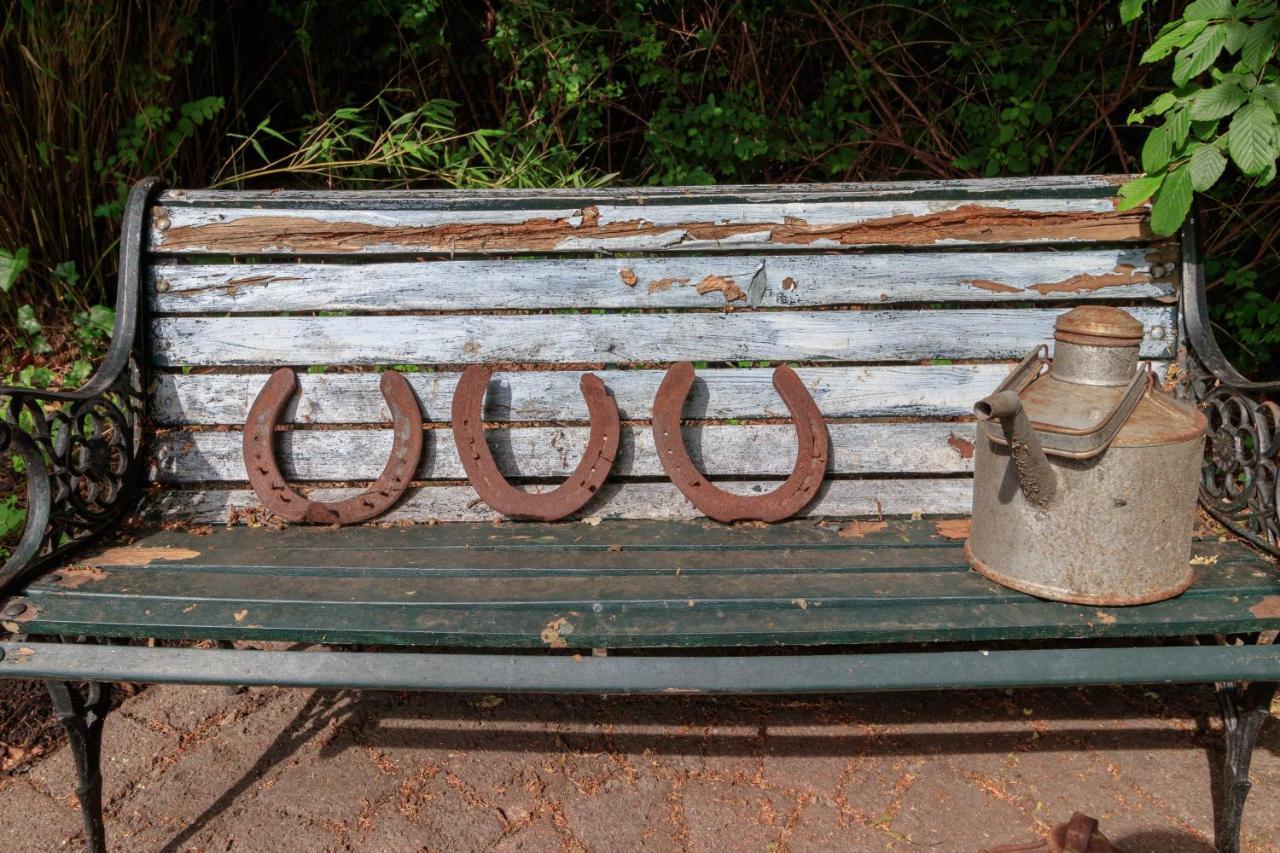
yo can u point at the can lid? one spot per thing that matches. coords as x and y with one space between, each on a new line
1099 325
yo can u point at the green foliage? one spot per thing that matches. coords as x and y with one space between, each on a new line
1240 306
1222 109
1234 43
97 94
12 519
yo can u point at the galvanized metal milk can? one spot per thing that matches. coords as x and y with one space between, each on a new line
1085 473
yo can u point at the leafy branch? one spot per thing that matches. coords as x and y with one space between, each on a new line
1224 104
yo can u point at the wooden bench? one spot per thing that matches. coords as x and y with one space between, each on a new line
898 304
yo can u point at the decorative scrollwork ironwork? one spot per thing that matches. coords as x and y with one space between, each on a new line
1239 484
81 450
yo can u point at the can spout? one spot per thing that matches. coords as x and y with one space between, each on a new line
1036 478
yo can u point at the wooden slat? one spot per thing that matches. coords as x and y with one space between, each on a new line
1045 186
620 338
644 225
616 500
901 583
749 451
932 391
679 281
766 581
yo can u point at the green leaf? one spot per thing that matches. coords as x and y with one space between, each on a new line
1236 33
1173 201
1177 123
1206 167
11 266
27 321
1203 10
1199 56
66 272
79 372
1138 190
1249 138
1179 36
1130 10
1218 101
1156 151
1259 43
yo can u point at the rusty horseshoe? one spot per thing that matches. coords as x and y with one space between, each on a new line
274 491
786 500
487 480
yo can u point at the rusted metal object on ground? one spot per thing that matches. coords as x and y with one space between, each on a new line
493 488
1085 474
786 500
1078 835
274 491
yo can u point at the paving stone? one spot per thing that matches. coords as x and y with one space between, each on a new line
540 836
623 816
182 707
213 774
737 816
32 821
808 758
302 786
333 770
822 828
945 811
130 750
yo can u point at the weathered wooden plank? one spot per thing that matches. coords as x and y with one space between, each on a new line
746 451
678 281
621 338
927 391
646 227
1048 186
930 496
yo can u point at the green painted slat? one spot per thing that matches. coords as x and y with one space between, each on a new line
658 623
648 674
425 545
658 583
673 627
618 584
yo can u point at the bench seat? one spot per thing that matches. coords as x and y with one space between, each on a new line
617 584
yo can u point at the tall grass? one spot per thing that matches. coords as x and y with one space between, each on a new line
93 94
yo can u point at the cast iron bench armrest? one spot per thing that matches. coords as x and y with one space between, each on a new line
1242 448
81 450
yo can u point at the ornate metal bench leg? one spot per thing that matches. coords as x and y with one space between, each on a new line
1244 709
82 716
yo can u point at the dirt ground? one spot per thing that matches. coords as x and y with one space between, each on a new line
211 768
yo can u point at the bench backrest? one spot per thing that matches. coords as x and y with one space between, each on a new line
900 304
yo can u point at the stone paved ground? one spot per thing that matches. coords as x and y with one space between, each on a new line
207 768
